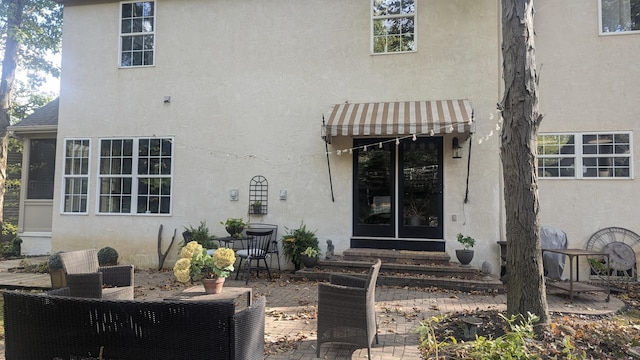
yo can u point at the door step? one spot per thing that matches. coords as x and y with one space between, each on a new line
397 256
406 268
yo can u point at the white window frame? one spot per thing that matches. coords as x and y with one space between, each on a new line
135 176
580 156
414 15
142 33
611 32
76 175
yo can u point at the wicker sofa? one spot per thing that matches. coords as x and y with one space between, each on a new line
45 326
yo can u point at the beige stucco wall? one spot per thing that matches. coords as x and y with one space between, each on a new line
588 83
249 82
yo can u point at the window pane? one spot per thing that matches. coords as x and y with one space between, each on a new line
41 169
374 186
620 15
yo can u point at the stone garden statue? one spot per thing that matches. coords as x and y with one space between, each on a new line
330 248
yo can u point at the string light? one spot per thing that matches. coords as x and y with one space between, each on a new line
302 158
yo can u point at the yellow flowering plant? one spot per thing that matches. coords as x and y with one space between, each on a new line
195 264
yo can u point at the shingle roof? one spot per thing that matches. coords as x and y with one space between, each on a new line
44 116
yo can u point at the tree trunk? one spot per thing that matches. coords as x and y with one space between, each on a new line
525 285
9 62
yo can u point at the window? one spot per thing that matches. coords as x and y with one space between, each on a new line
619 16
585 156
137 33
393 26
76 175
42 159
135 176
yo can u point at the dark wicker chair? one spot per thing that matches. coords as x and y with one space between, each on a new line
85 278
346 310
41 326
257 249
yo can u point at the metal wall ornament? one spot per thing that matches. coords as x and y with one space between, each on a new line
258 195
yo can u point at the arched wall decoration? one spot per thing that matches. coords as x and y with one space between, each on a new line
258 195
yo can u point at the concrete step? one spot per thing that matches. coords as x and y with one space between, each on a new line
397 256
451 276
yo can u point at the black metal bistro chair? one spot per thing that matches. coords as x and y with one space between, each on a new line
257 249
274 248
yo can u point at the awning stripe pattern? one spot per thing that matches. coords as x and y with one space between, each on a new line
399 118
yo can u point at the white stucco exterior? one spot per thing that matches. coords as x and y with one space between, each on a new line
249 83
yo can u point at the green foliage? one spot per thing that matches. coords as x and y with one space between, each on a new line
234 226
310 252
201 235
9 242
467 241
55 261
107 256
512 345
28 266
429 344
296 241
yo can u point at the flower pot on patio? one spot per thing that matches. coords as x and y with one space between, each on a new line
309 261
464 256
58 279
213 286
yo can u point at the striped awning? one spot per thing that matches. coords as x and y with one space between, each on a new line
399 118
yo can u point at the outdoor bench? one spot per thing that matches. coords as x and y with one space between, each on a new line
45 326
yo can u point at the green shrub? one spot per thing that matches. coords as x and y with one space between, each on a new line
201 235
107 256
55 261
296 241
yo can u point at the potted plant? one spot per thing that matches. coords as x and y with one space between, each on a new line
56 271
296 241
465 255
234 226
107 256
309 257
257 207
195 264
201 235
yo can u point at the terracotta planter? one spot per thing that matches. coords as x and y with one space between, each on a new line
213 286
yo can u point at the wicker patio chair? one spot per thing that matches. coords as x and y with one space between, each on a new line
346 310
257 249
85 278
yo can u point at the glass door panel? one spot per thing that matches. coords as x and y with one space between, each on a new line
373 195
420 188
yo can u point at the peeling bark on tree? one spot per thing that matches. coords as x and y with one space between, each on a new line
525 285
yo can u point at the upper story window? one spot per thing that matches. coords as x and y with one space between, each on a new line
135 176
76 175
619 16
393 26
585 156
137 33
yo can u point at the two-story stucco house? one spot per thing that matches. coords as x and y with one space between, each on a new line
176 111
